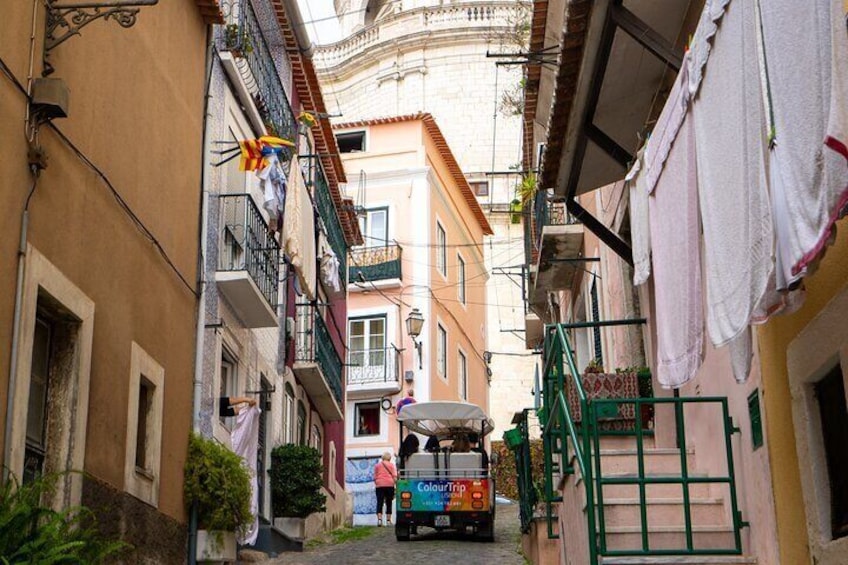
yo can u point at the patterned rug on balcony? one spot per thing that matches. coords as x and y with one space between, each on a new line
607 385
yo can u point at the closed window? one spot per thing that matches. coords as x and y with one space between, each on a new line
441 249
462 372
374 225
441 351
289 426
144 426
36 445
480 188
460 278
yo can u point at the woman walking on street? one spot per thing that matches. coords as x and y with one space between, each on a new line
385 476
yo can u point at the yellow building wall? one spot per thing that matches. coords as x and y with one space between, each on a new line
774 339
136 111
465 323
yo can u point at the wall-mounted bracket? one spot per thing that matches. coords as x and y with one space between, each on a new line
66 20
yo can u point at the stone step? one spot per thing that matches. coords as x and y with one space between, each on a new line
669 538
668 512
654 492
656 460
681 560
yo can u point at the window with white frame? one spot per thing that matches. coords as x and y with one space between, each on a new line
460 277
441 249
227 384
289 414
462 373
441 351
144 426
367 419
367 349
374 225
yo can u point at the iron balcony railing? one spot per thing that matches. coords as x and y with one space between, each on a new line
246 244
566 440
375 263
373 366
244 38
313 344
329 215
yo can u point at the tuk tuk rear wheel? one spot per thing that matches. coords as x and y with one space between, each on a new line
402 532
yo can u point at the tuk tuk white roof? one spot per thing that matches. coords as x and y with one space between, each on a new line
443 417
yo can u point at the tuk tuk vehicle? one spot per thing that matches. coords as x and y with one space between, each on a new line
445 488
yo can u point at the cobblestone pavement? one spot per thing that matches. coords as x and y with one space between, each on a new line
429 548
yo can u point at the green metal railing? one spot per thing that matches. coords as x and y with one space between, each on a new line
377 263
561 430
518 440
329 214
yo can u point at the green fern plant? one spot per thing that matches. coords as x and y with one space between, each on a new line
32 532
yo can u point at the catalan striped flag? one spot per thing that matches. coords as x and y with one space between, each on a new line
251 154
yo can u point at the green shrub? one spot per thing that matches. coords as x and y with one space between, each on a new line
32 532
296 481
219 484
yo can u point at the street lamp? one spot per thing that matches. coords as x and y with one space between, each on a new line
414 323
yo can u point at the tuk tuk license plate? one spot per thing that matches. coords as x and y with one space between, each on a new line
441 520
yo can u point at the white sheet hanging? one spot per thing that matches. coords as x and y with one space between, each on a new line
245 439
299 231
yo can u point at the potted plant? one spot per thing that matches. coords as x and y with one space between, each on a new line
218 485
296 480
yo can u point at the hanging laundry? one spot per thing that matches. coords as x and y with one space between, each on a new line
330 270
272 180
245 444
731 139
299 230
701 43
808 182
676 244
640 233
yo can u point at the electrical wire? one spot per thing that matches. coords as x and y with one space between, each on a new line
137 222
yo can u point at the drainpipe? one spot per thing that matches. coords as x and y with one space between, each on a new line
297 24
16 331
29 131
201 279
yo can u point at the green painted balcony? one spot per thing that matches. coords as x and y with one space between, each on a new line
372 264
317 364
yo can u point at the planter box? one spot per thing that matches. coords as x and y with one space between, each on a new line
216 546
294 528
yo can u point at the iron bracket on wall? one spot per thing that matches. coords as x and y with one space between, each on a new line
66 20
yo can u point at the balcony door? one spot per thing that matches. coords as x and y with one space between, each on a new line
368 350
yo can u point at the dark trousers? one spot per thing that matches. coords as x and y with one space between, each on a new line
385 494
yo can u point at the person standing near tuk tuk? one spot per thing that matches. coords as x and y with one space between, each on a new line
409 399
385 477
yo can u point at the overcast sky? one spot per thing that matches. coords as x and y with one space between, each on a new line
327 29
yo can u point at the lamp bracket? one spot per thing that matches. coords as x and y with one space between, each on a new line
66 20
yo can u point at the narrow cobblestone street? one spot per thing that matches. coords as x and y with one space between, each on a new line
430 548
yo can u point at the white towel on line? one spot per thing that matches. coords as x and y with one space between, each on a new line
806 179
640 232
676 241
731 146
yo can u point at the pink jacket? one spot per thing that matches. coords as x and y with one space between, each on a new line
385 474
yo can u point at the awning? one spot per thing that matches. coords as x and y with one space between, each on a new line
443 418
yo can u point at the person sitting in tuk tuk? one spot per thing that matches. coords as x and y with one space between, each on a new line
432 445
461 444
407 447
477 448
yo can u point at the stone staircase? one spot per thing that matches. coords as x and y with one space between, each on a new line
712 525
